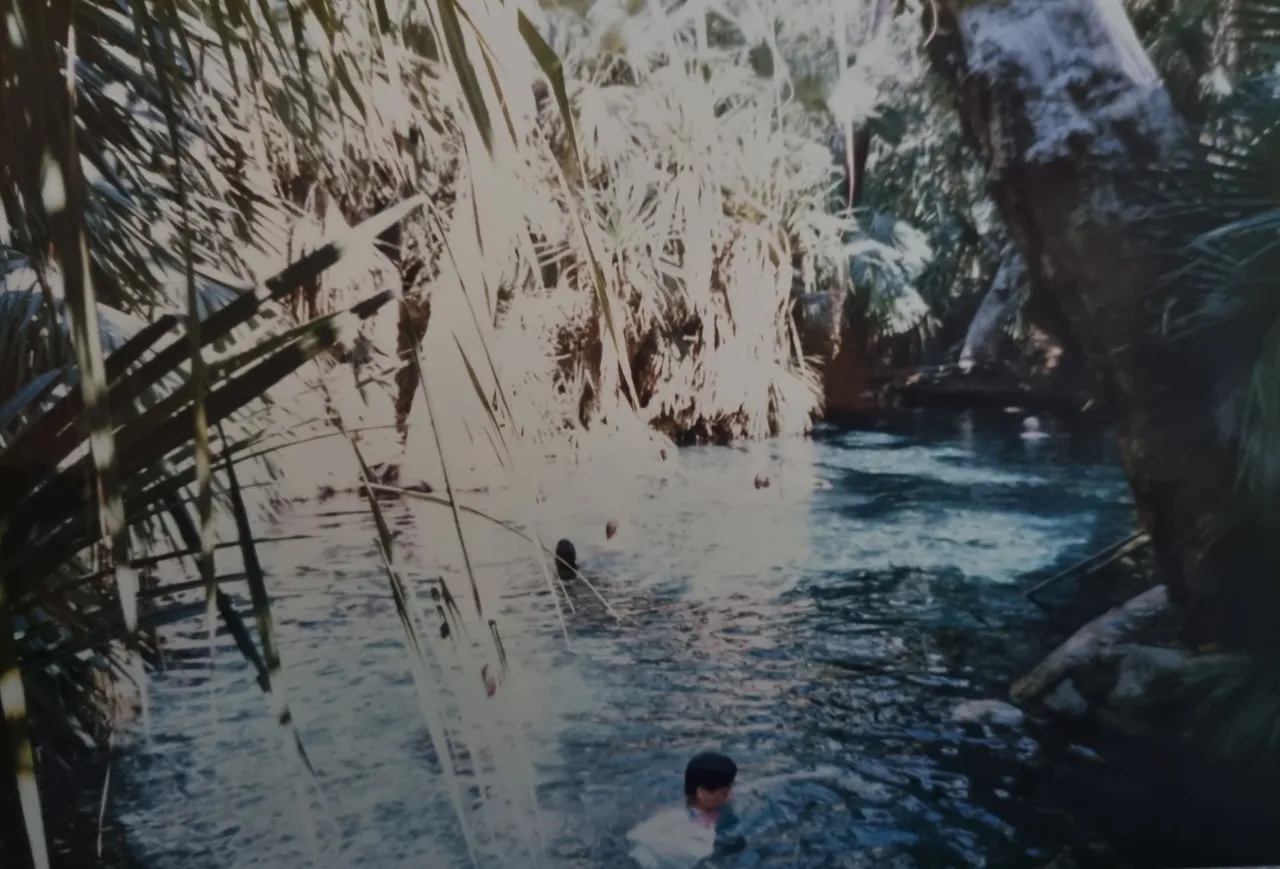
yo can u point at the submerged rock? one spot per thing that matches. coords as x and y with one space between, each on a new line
1063 860
1086 753
995 712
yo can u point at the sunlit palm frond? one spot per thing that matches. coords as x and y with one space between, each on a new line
45 509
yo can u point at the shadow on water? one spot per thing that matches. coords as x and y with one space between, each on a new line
836 618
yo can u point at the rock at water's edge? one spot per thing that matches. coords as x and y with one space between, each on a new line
1091 644
1067 701
988 712
1142 668
1109 671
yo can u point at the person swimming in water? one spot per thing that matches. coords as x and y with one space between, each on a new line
704 825
708 789
566 560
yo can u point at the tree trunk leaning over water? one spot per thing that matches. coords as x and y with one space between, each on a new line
1061 102
1002 301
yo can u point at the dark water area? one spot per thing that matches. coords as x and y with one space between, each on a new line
835 619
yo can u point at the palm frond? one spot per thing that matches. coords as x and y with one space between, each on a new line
47 525
1219 227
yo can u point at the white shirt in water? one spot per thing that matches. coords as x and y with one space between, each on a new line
671 839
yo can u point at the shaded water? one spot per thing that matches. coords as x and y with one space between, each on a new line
834 618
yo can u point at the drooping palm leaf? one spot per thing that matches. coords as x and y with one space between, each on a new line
46 519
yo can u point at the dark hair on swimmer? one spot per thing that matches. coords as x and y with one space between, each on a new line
710 771
566 559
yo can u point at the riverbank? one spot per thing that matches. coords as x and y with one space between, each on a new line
953 388
1117 685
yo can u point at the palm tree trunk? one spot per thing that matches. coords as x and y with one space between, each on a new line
1061 102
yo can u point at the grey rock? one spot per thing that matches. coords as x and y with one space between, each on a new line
1067 701
995 712
1125 721
1142 670
1092 645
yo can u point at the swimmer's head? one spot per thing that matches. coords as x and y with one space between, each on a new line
566 560
708 781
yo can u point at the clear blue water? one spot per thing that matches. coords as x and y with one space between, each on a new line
835 618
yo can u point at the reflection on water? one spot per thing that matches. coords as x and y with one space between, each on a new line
835 617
